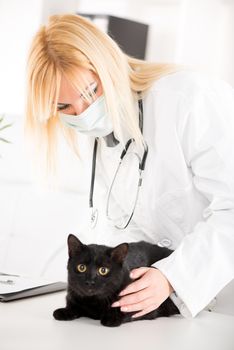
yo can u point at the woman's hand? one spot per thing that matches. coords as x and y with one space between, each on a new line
146 294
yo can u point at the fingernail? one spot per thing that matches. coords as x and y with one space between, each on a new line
115 304
124 308
131 275
121 293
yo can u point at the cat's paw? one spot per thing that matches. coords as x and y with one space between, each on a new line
64 314
111 322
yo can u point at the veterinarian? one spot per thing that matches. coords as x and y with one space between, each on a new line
162 152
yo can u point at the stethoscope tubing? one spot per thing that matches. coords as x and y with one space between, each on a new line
142 162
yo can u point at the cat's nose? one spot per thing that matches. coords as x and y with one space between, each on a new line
90 283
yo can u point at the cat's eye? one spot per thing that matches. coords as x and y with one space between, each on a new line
103 271
81 268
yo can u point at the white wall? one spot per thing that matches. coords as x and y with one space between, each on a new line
194 32
18 21
51 7
205 36
162 16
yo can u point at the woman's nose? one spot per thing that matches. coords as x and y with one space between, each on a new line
79 107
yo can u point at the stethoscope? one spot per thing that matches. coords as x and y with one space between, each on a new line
142 161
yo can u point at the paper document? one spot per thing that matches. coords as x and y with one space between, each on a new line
15 287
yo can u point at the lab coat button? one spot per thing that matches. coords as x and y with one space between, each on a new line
165 242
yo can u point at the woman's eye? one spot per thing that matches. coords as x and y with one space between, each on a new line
81 268
62 107
95 89
103 271
91 91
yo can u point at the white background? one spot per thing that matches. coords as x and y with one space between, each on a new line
196 32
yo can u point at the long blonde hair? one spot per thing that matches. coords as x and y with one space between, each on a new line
69 42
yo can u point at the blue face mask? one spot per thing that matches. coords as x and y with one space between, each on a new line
93 121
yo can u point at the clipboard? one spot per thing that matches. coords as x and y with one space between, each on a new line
14 287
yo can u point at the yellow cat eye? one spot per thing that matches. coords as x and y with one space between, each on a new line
81 268
103 271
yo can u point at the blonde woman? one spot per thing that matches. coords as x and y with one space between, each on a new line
175 186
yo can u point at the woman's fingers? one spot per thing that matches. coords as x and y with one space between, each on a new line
136 273
146 294
133 298
143 305
137 285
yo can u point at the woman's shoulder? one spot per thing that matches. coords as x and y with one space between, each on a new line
175 95
188 82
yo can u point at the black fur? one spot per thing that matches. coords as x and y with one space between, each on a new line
89 294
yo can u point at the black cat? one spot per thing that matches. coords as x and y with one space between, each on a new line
97 274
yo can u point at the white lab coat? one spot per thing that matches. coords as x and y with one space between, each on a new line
187 198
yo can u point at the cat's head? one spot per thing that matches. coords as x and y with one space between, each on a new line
96 270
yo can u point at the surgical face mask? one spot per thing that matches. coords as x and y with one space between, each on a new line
93 121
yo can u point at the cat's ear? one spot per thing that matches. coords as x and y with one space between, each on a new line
74 245
119 253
